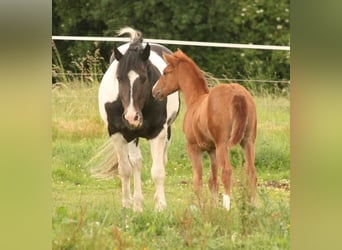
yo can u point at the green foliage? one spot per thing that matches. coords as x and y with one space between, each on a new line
248 21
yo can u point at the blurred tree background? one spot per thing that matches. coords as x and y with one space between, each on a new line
228 21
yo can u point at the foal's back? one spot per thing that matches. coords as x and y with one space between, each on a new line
221 104
212 115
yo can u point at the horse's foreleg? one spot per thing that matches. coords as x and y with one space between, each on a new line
158 151
223 161
249 151
213 182
125 169
136 161
195 155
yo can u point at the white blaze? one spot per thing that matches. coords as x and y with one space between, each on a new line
131 111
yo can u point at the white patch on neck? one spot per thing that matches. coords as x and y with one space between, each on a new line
226 202
132 76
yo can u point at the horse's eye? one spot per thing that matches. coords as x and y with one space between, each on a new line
142 79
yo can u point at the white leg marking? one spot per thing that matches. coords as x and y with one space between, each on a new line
226 202
136 162
158 151
125 169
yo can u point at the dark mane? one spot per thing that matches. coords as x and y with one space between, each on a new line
131 59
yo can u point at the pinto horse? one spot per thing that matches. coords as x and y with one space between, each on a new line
129 110
214 121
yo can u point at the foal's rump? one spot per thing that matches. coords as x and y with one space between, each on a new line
232 110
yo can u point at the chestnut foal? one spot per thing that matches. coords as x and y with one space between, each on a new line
214 121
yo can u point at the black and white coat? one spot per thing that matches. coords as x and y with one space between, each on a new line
154 125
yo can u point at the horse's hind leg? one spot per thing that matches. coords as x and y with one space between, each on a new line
125 169
213 182
136 161
158 151
249 151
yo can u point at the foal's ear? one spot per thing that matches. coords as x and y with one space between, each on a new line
117 54
168 58
146 52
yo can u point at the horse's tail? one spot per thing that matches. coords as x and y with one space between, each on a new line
239 116
135 35
104 165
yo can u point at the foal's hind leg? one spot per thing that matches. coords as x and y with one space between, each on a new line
136 161
223 161
249 151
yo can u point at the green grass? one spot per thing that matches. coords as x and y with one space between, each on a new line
87 213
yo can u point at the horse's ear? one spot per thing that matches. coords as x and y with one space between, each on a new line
117 54
146 52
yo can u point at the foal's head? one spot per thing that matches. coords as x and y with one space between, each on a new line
168 82
134 83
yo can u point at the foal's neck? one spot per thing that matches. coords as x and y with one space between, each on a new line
193 84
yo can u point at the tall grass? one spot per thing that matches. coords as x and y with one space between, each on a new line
87 69
87 213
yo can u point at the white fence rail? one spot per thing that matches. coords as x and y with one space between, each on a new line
174 42
190 43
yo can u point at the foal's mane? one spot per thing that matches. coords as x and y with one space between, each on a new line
181 57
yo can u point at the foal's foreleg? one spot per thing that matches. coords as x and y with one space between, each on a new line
195 155
158 151
125 169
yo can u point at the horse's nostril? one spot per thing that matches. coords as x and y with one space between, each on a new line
136 117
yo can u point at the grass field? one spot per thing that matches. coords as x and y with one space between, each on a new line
87 212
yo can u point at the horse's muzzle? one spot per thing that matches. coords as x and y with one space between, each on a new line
133 120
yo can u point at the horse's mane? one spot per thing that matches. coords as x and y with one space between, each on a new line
135 35
131 59
183 57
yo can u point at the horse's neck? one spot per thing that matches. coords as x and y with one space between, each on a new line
193 86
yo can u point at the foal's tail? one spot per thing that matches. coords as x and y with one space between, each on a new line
239 117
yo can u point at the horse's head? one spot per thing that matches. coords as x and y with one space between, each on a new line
168 82
134 83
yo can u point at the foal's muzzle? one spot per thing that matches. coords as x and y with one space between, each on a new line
157 93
